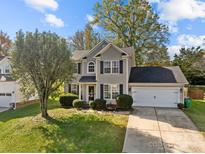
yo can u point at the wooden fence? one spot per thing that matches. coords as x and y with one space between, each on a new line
196 93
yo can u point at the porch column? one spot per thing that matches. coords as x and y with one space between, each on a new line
79 94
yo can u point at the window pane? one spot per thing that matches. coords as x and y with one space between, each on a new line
107 67
107 91
74 88
75 68
115 91
91 67
115 66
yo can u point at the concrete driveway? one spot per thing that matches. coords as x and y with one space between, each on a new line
162 130
2 109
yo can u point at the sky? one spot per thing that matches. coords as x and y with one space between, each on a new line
185 18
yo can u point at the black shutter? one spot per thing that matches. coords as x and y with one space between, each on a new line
121 66
77 89
101 91
79 68
121 89
69 88
101 67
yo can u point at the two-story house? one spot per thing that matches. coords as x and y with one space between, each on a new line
9 88
106 71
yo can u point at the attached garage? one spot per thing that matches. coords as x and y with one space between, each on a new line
157 86
156 96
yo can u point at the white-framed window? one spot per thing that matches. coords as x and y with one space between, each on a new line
75 68
115 66
91 67
115 91
107 67
111 66
74 88
111 91
107 91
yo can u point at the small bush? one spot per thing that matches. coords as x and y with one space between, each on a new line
67 101
180 105
100 104
78 103
92 104
124 101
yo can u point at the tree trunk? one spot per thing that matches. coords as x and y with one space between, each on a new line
44 102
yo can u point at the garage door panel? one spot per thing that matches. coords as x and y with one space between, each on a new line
159 97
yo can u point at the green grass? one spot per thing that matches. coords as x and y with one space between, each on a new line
197 114
68 130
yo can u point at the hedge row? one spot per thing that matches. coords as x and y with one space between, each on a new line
123 102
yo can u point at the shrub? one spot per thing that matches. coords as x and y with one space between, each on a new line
180 105
100 104
78 103
124 101
67 101
92 104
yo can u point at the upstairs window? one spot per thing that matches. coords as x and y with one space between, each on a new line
107 67
91 67
115 67
75 68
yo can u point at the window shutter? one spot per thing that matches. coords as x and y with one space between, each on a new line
101 67
121 89
101 91
121 66
77 89
69 88
79 68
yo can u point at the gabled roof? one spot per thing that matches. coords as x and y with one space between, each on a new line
79 54
107 47
157 75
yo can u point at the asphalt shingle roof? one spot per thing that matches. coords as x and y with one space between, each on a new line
88 79
157 75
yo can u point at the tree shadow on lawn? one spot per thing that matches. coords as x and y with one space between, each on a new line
82 133
29 110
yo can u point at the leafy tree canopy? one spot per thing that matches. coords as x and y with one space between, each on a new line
5 44
133 23
191 62
42 59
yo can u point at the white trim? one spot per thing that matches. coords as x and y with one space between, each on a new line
111 67
127 77
87 92
107 47
110 84
79 92
88 67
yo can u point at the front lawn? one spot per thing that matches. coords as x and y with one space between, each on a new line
68 130
197 114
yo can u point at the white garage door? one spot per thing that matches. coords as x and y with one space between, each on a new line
5 99
158 97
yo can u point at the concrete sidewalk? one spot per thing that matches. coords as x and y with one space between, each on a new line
162 130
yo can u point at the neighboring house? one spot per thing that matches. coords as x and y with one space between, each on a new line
9 88
107 71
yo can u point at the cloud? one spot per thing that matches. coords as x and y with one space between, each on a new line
173 49
42 5
186 41
191 40
54 21
172 11
153 1
90 18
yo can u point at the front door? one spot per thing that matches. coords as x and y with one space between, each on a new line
91 93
